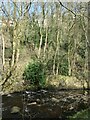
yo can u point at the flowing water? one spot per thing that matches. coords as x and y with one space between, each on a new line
43 104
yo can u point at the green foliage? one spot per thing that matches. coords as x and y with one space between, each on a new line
64 67
34 72
49 66
84 114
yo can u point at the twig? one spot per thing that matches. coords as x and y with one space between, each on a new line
4 10
28 7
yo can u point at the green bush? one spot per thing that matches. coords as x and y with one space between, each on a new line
34 72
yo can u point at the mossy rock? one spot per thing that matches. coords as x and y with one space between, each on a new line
15 109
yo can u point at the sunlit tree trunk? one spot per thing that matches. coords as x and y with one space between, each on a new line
54 63
41 27
14 47
46 39
59 37
17 51
18 38
56 57
88 45
1 64
40 44
57 68
73 66
71 49
69 63
3 58
14 38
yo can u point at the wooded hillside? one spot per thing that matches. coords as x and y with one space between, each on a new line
55 34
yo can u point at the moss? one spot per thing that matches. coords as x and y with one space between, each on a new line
84 114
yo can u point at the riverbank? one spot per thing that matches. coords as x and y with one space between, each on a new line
52 82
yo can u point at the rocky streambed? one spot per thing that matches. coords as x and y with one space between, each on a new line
44 104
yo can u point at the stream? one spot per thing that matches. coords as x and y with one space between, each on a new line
44 104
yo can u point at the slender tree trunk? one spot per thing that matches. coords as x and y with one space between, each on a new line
69 49
17 51
14 50
18 39
89 45
40 44
86 53
73 66
1 65
57 69
54 63
3 58
14 38
69 55
41 27
56 55
69 63
46 39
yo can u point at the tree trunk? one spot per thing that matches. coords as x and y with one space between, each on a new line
17 51
40 44
1 65
54 63
13 53
69 49
57 69
3 58
89 45
74 57
14 37
58 20
86 53
46 39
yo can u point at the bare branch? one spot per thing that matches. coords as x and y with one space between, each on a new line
15 6
66 8
71 10
27 8
4 10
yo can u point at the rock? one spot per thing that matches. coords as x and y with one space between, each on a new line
38 100
43 91
15 109
33 103
1 93
26 109
64 99
9 95
27 92
55 99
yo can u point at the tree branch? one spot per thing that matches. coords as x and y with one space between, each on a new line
27 8
66 8
4 10
71 10
15 6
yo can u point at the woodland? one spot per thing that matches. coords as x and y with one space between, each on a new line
44 47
